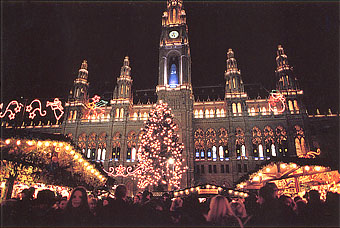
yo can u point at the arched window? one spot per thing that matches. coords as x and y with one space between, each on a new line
273 150
133 154
99 154
218 113
70 115
75 115
117 113
220 152
234 108
202 154
239 141
252 111
88 153
135 116
145 116
121 113
296 106
243 150
290 106
196 113
211 113
282 144
300 144
103 154
222 113
200 113
261 155
234 83
121 89
264 111
206 113
239 108
214 153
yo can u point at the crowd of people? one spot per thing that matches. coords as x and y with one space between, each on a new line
266 209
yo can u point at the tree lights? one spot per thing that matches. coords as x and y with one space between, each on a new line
160 152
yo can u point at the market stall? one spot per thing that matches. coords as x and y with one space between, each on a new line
293 179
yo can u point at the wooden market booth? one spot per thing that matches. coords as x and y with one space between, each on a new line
294 178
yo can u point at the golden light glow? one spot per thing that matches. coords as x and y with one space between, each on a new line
256 178
283 166
18 142
92 170
192 189
230 191
294 165
67 148
317 168
47 143
208 186
30 143
267 169
219 189
307 168
39 143
76 156
8 141
72 152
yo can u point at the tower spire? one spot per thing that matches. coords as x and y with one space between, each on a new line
284 72
80 88
124 82
234 83
174 14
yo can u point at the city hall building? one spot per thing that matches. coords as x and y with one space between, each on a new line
223 138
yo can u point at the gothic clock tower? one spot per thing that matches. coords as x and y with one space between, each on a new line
174 81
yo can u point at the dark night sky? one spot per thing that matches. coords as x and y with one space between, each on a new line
44 43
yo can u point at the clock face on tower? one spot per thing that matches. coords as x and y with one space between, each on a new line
173 34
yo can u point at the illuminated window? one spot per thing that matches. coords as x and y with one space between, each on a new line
206 113
264 111
290 106
218 113
126 89
103 154
99 154
70 115
116 153
238 151
93 153
128 154
145 116
202 154
133 154
209 153
220 152
121 89
243 150
239 108
222 113
261 155
200 114
121 113
226 152
117 113
234 108
273 150
135 116
211 113
296 105
234 83
197 154
252 111
214 153
275 111
196 113
88 153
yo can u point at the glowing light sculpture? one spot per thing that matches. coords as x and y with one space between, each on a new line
276 102
29 108
160 152
12 114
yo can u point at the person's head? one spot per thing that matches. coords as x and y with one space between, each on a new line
239 209
63 203
136 199
45 199
121 192
219 207
24 194
313 196
287 201
176 204
92 204
146 196
78 198
267 193
165 197
297 198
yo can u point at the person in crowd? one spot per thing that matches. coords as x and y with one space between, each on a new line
146 196
240 211
24 208
301 212
63 203
315 209
118 210
43 213
192 214
166 201
176 211
287 209
252 207
332 209
93 206
221 214
77 211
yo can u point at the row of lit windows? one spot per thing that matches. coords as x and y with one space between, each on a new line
200 169
209 113
100 154
223 154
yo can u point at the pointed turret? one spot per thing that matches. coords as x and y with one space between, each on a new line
124 81
234 83
284 72
174 15
79 92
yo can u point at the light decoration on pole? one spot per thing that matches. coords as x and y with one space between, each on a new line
160 152
277 102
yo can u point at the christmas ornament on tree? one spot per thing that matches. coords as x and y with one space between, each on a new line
160 152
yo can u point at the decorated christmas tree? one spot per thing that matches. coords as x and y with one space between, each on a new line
160 152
